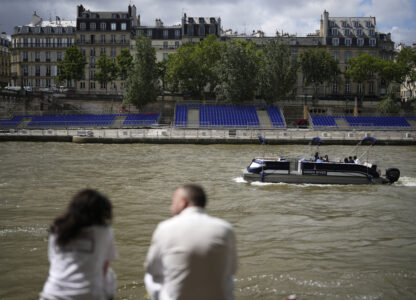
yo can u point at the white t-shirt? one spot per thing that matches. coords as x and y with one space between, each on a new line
77 269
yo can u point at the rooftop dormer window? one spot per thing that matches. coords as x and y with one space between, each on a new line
84 15
48 29
115 16
37 29
201 21
331 23
190 20
355 23
368 24
212 20
344 24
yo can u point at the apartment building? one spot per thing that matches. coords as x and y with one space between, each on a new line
35 50
106 33
4 60
347 37
344 38
166 39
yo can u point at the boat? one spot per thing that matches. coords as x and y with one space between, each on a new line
312 171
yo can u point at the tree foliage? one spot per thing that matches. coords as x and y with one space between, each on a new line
237 72
192 68
72 66
362 68
277 72
318 66
389 105
108 70
124 63
142 83
407 59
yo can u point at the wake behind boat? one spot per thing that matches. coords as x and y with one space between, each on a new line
316 171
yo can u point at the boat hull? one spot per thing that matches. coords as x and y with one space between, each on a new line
311 179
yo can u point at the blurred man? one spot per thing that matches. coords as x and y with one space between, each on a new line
193 255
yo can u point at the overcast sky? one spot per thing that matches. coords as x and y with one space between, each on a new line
295 16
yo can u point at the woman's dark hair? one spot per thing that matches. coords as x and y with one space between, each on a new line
88 207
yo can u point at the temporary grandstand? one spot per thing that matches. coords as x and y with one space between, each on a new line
209 116
81 121
228 116
362 122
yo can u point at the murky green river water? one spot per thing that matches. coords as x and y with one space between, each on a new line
318 242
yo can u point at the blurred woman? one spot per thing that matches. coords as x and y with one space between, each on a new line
81 246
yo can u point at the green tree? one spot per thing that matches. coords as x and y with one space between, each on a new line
407 59
362 69
142 82
161 72
390 71
124 63
277 73
192 68
389 105
318 67
237 72
72 66
108 70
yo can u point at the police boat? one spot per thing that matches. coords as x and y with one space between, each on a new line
316 171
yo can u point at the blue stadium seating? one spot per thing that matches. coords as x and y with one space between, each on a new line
227 115
323 121
72 120
275 116
363 121
181 115
13 122
141 119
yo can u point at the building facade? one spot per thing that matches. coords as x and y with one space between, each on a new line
4 60
100 33
344 38
35 50
167 39
348 37
408 87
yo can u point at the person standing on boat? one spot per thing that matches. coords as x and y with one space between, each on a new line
192 255
350 160
357 160
81 246
316 156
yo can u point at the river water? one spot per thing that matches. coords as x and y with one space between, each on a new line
318 242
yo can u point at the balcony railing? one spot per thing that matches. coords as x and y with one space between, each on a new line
111 42
43 45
